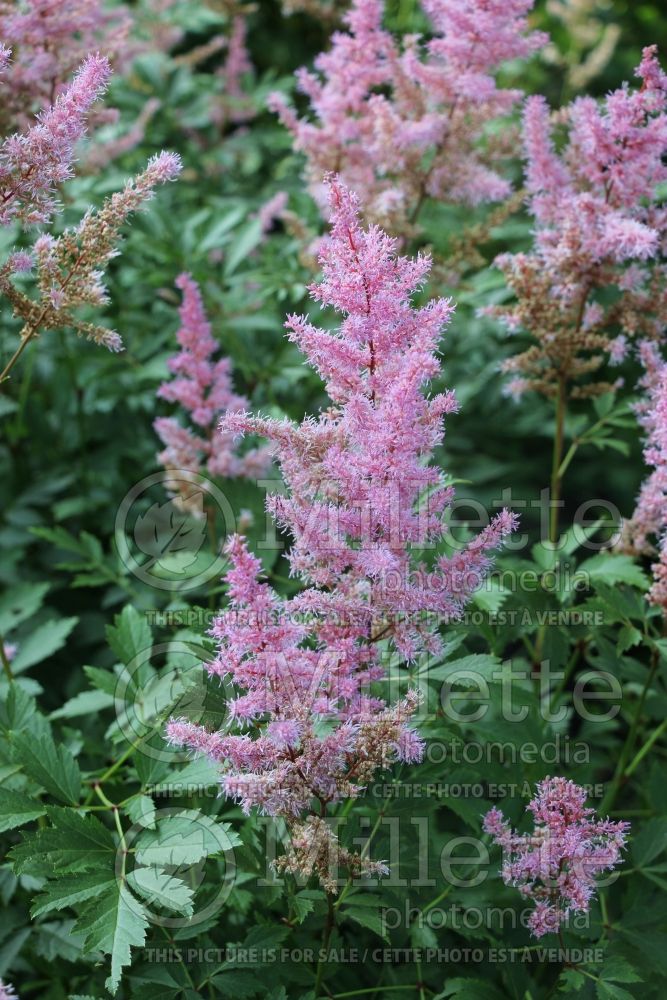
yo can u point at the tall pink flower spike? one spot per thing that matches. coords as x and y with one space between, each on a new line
357 478
204 389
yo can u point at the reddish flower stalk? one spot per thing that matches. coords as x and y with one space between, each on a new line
68 268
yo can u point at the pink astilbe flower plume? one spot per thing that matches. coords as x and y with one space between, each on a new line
34 163
49 39
7 991
555 865
358 478
236 105
204 389
405 123
645 533
598 226
68 268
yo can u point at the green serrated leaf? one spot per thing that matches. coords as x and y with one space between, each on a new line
650 841
57 939
183 839
16 809
114 925
129 635
20 603
41 643
53 767
366 918
302 906
618 970
628 637
103 680
85 703
248 238
608 991
141 810
156 886
17 710
611 568
483 664
71 889
73 843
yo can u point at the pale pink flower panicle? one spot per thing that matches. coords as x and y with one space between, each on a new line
357 477
69 267
645 533
237 64
556 864
203 387
7 991
405 122
49 39
598 226
34 163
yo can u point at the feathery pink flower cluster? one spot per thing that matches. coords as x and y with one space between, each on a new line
647 528
404 124
598 226
7 991
236 106
49 39
203 387
357 480
68 267
556 864
34 163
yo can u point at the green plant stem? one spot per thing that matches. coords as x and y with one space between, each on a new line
567 673
17 429
657 733
326 938
446 891
182 963
26 337
118 763
373 989
557 461
114 809
619 773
